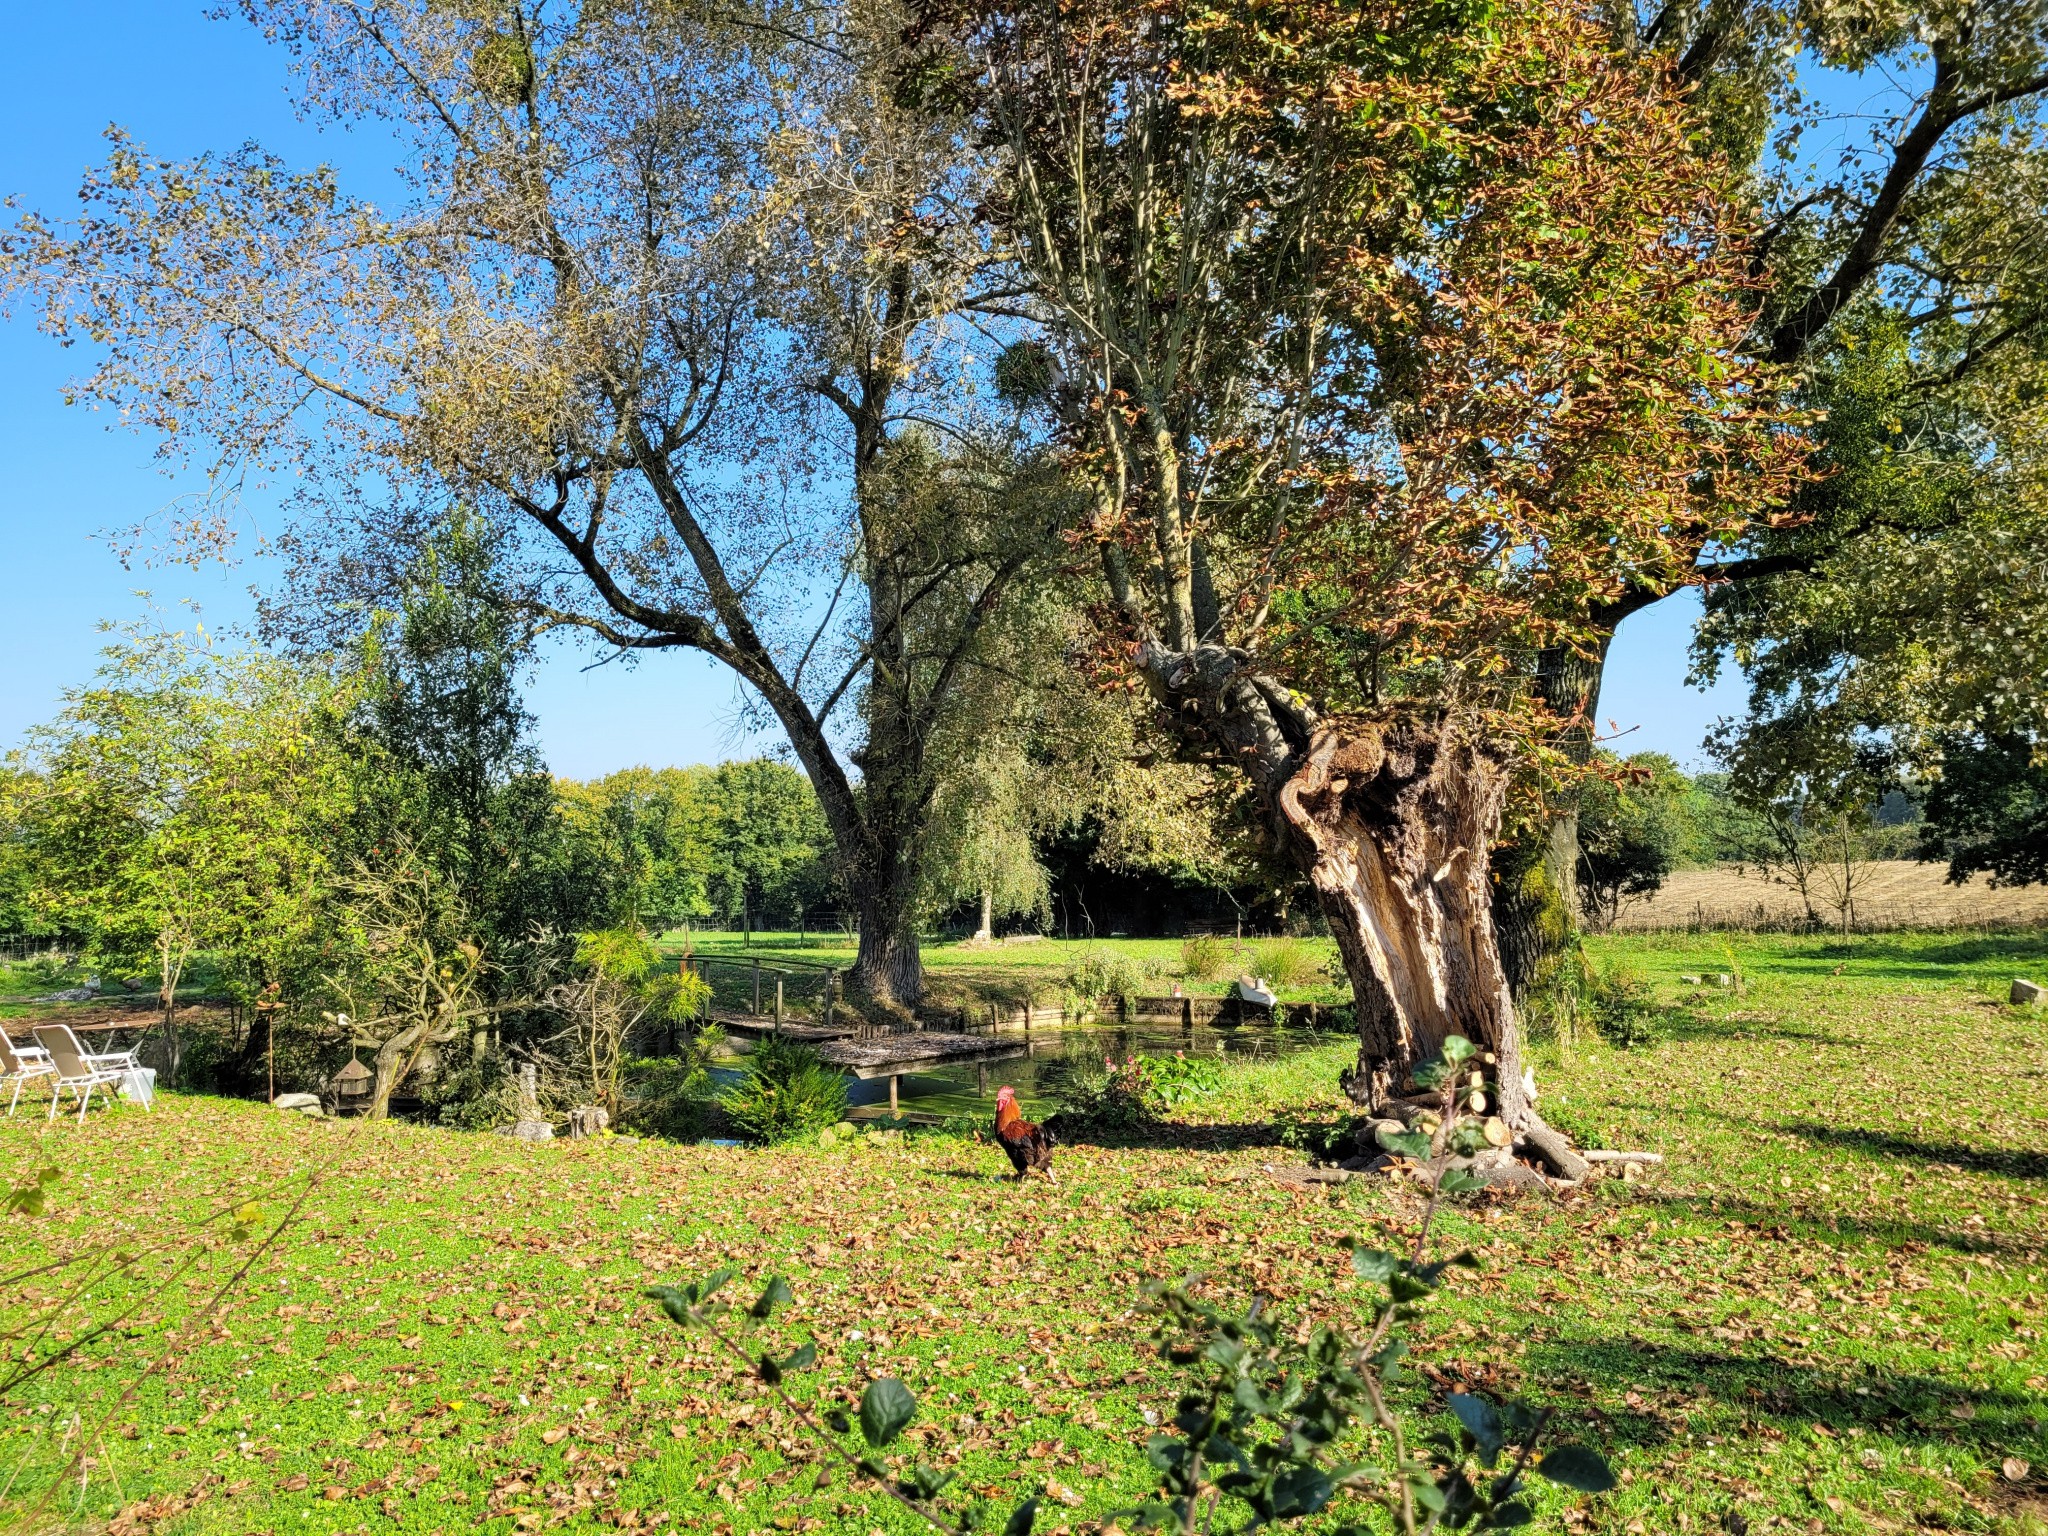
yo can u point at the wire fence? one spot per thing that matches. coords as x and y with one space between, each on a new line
15 948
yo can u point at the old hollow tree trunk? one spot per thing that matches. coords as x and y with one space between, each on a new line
1392 822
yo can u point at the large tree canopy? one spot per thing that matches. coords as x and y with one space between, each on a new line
1897 161
1388 355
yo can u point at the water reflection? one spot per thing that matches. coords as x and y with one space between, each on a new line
1056 1054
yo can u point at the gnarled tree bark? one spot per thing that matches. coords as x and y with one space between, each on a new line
1392 821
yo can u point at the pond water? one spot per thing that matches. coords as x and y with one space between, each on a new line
1055 1054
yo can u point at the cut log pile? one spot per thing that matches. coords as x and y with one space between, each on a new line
1536 1157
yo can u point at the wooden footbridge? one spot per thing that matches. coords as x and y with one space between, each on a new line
754 996
869 1053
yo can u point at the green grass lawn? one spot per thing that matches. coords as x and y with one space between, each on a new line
1823 1314
1303 970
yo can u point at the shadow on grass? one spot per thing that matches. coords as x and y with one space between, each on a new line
1682 1023
1878 956
1831 1230
2010 1162
1905 1406
1173 1136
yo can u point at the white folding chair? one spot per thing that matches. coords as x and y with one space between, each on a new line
75 1069
22 1062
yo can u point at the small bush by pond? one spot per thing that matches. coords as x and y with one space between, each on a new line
787 1094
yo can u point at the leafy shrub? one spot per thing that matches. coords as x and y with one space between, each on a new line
1287 963
1203 958
1114 1099
473 1093
1321 1139
48 968
1099 971
1623 1007
787 1094
673 1097
1135 1090
1176 1079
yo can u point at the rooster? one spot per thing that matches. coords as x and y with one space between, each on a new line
1029 1146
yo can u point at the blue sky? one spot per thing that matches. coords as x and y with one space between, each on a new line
184 84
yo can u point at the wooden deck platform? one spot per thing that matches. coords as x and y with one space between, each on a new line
917 1051
892 1056
756 1025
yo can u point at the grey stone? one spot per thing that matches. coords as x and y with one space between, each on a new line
1693 981
2027 992
529 1130
1724 980
304 1103
587 1120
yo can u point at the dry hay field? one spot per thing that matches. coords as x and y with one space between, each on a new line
1890 894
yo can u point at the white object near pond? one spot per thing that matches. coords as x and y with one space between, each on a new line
1254 991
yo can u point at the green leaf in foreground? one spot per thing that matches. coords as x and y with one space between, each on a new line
777 1294
885 1408
31 1196
1407 1143
1576 1467
1482 1422
1022 1518
1375 1264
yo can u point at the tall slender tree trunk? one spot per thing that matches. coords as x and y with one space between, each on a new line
173 950
986 931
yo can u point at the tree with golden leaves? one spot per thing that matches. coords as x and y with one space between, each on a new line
1390 344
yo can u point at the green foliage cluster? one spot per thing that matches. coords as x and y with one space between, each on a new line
785 1094
1137 1090
1204 957
1634 828
1287 962
1102 970
675 1097
237 818
1180 1078
1623 1006
1988 812
1117 1098
474 1091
